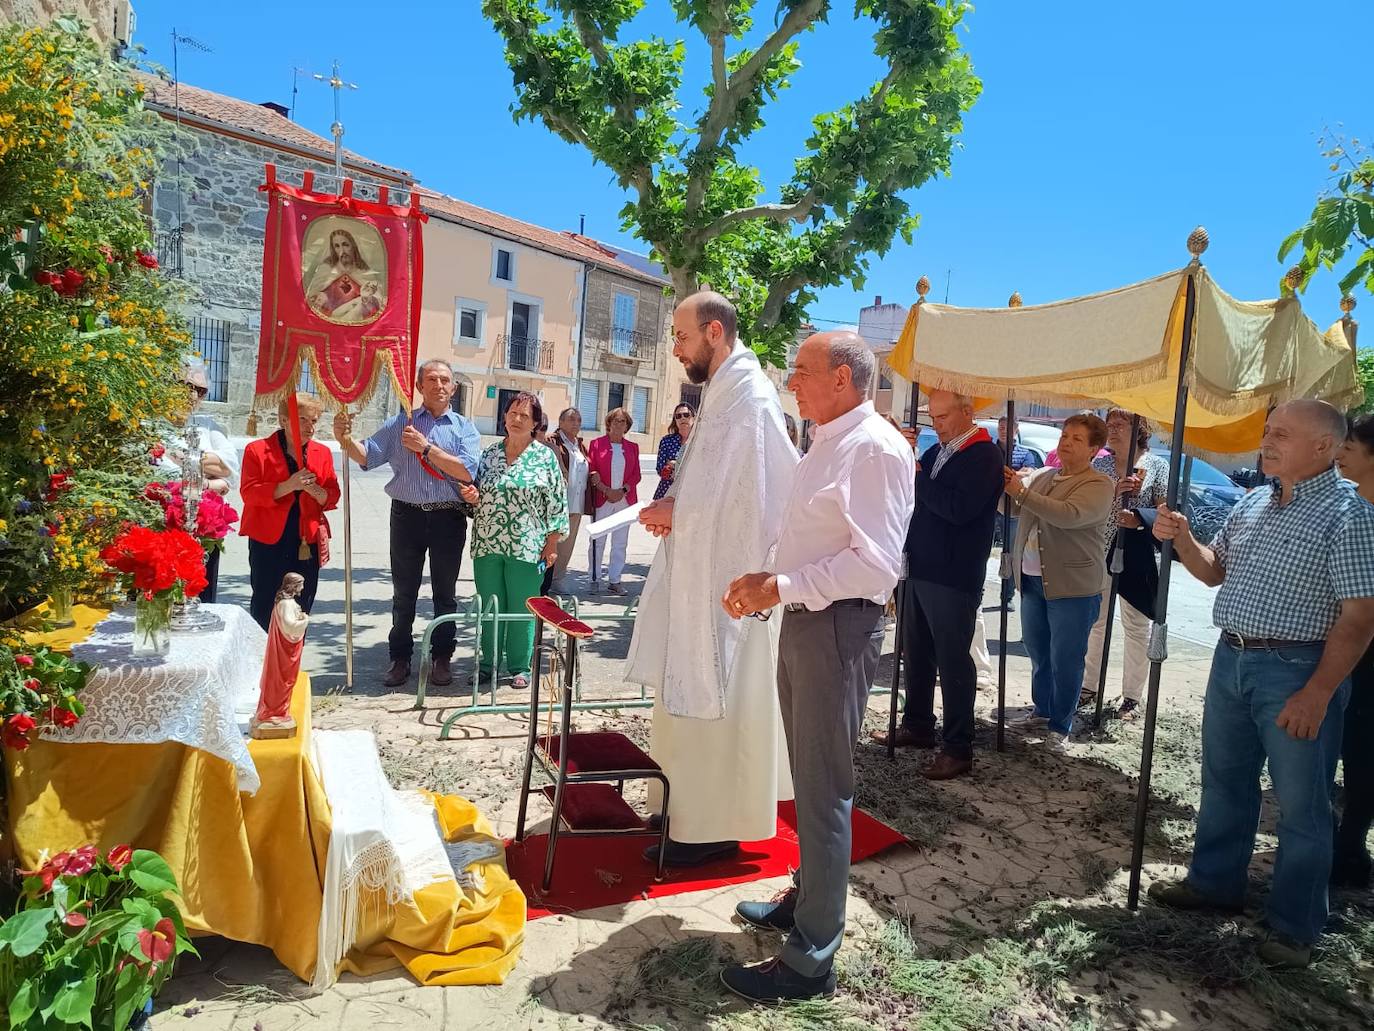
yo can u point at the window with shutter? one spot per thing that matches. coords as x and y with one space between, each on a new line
623 324
640 409
589 405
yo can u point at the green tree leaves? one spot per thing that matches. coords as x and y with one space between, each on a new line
699 207
1341 224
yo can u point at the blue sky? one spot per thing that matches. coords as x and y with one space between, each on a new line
1105 132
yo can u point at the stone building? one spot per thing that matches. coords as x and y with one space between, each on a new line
210 219
110 21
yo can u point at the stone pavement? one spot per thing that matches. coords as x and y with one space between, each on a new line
1027 825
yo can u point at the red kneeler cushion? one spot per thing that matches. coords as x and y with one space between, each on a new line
595 807
598 752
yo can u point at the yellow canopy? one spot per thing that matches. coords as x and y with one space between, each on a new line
1122 348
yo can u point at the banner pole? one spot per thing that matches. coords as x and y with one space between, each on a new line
348 574
1115 567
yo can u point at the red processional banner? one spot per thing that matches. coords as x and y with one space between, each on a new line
341 282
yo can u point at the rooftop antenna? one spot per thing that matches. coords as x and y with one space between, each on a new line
296 73
581 225
179 40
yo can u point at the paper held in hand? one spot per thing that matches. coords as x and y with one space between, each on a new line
625 517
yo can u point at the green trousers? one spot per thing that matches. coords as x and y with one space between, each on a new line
510 582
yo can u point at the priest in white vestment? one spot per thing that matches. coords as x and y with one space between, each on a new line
717 730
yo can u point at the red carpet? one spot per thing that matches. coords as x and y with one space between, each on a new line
577 874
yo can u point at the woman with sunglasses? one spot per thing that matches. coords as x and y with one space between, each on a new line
671 445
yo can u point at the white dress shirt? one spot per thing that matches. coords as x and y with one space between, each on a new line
846 521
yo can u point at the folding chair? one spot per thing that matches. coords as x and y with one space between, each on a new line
582 766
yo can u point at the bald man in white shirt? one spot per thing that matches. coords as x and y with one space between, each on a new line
837 561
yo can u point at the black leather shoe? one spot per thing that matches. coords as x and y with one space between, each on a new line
777 914
681 853
774 981
440 672
398 674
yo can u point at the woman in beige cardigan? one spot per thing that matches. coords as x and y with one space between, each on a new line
1058 565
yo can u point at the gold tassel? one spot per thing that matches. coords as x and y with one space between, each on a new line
252 422
303 552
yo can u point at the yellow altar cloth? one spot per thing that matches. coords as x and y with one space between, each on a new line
251 868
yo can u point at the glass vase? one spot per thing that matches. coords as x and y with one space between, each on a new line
153 625
60 607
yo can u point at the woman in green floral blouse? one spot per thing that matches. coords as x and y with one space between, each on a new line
522 513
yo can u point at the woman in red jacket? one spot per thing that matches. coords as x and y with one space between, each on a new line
284 502
613 475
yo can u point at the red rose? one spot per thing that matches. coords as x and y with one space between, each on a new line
63 717
23 661
15 733
33 684
157 451
146 260
72 280
46 278
120 856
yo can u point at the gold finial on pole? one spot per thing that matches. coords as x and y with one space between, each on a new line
1348 322
923 286
1197 243
1347 305
1014 301
1292 279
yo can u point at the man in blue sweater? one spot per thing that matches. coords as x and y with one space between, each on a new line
958 484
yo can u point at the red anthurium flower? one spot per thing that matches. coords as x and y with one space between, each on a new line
157 451
63 717
72 280
82 861
24 661
74 920
33 684
15 733
158 943
146 260
120 856
47 873
46 278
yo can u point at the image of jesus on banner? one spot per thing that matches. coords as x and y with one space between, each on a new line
343 270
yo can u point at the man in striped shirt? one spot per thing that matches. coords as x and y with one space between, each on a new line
429 452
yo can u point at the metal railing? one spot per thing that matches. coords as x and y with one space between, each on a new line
211 340
168 245
632 346
526 353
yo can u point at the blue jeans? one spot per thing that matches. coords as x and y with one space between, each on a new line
1245 694
1009 584
1055 634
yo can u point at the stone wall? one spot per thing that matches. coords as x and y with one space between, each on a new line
99 14
223 218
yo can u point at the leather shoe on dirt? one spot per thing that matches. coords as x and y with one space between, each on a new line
774 981
398 674
946 767
440 672
908 738
777 914
1182 895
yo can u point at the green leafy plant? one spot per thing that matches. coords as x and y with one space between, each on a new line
694 200
1342 223
92 941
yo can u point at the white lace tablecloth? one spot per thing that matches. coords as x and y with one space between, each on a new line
198 694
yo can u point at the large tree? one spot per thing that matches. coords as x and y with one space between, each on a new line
1342 223
693 199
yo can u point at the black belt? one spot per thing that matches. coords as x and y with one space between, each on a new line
1242 643
428 506
793 606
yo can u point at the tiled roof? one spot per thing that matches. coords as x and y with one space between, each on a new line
570 245
232 113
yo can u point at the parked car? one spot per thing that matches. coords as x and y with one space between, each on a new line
1211 496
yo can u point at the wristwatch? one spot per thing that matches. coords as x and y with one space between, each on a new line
424 455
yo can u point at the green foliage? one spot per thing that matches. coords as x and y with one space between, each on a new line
694 200
1365 361
94 938
1342 223
90 350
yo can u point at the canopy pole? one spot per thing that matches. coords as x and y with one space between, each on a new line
1004 567
922 288
1116 564
1159 628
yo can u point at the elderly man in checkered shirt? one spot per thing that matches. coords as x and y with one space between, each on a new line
1295 564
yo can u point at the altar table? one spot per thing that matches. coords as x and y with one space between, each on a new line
251 867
